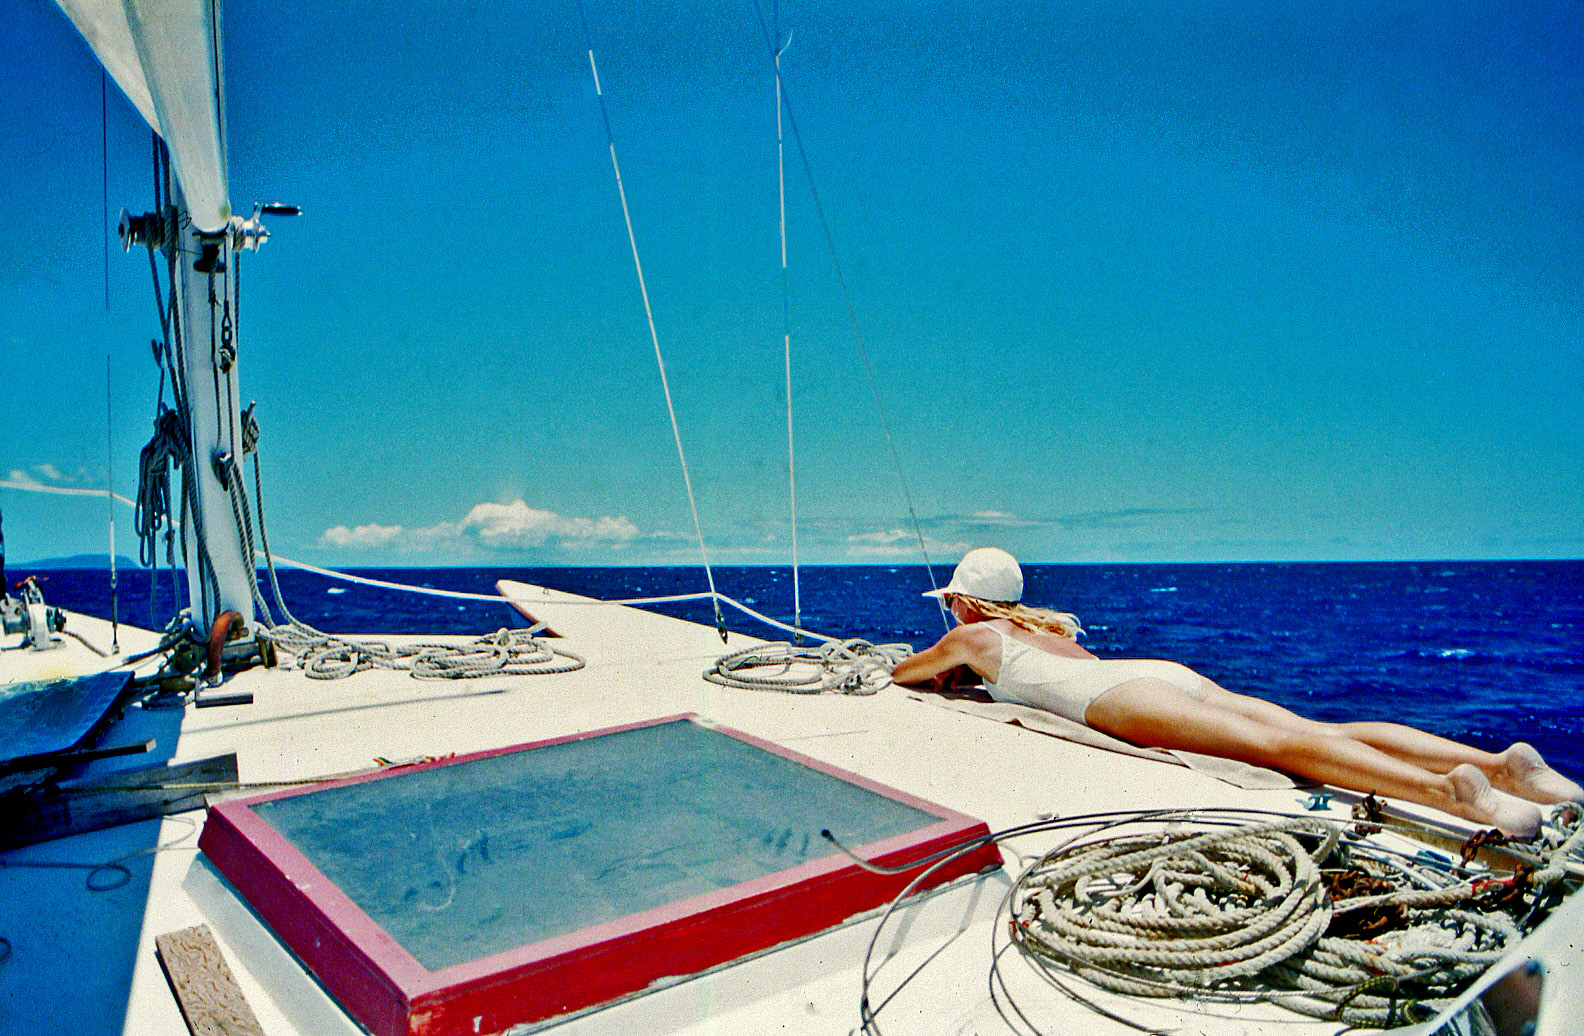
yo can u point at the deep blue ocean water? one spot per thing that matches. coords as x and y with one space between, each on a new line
1482 652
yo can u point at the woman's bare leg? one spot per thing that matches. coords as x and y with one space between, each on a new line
1157 713
1518 771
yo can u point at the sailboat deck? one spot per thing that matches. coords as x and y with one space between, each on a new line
639 667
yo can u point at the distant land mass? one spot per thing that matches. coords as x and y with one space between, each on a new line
72 561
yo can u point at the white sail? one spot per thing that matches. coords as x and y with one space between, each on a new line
164 54
104 26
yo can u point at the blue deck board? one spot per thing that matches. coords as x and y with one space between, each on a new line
39 717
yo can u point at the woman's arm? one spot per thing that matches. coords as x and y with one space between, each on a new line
966 645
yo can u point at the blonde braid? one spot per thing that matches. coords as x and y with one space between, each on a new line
1035 620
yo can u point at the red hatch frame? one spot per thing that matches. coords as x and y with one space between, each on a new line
390 993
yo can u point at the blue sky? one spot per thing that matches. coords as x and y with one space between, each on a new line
1139 282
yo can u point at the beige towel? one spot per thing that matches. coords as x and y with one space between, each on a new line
1242 775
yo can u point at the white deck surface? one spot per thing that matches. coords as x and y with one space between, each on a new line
83 962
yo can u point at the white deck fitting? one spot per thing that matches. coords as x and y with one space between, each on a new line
84 962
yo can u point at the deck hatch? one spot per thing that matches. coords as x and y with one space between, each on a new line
44 717
523 884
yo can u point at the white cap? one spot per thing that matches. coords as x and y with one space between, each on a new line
988 573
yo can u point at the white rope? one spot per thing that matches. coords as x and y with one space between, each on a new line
504 653
852 312
463 595
835 667
1568 852
1203 915
34 487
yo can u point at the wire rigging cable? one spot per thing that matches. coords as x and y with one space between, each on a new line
852 313
654 336
786 337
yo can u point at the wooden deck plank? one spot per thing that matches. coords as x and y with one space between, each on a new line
210 999
124 797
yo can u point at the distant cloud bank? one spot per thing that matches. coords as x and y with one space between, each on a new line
899 543
490 528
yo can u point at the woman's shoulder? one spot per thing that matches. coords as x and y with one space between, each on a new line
980 637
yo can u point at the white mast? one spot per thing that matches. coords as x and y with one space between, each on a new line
219 569
165 55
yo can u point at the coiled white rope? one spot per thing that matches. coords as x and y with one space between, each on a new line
1568 853
1176 915
834 667
505 653
1364 983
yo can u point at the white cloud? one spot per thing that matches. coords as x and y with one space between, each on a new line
898 543
490 527
45 475
882 540
362 536
506 526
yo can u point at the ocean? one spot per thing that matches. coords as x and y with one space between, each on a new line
1482 652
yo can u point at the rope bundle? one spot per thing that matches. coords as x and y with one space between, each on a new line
834 667
504 653
1137 915
1364 983
1202 915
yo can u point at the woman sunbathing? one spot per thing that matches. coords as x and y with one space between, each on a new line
1031 657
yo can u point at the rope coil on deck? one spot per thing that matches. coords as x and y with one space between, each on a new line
834 667
1224 912
504 653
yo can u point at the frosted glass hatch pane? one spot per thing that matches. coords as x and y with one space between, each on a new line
460 862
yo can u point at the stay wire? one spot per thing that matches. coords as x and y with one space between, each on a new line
786 327
654 336
104 170
852 313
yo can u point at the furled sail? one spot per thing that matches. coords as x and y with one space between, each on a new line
165 56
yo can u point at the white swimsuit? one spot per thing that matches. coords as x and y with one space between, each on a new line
1066 686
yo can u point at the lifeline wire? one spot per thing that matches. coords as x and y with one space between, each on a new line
325 657
263 554
462 595
654 336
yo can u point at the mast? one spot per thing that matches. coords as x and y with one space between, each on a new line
166 57
220 573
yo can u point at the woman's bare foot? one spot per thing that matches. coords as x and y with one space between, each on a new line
1476 800
1526 775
